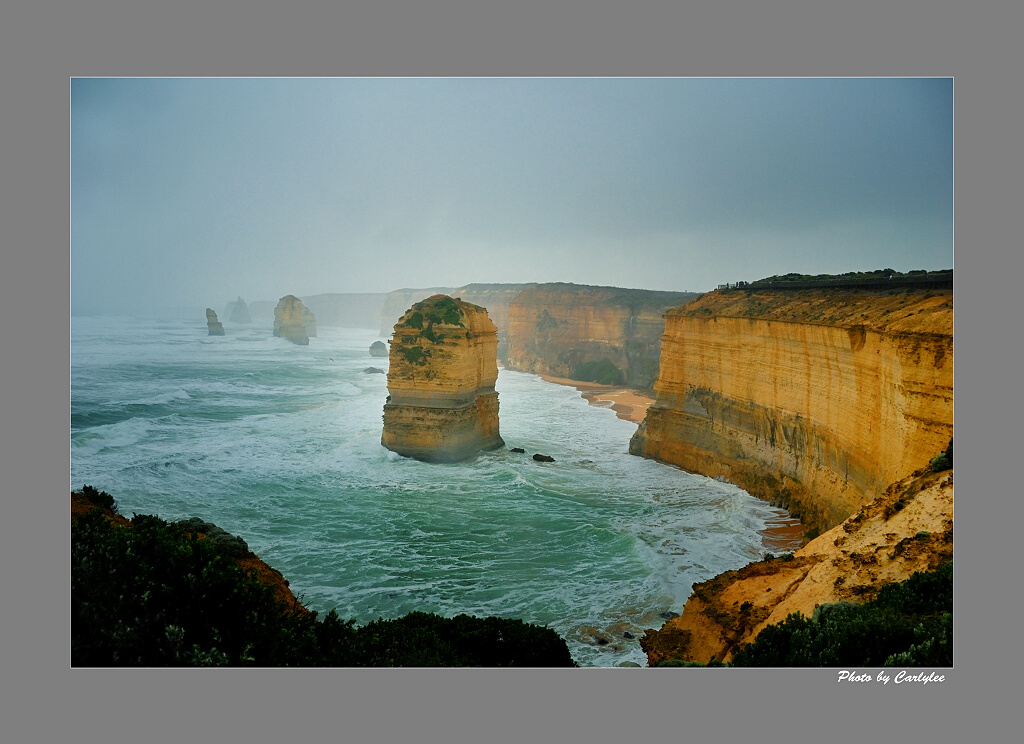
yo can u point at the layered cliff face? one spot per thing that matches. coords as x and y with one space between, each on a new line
907 529
238 312
290 318
817 400
442 405
598 334
214 327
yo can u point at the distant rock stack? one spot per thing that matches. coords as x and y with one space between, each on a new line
214 326
443 365
238 311
378 349
309 320
289 320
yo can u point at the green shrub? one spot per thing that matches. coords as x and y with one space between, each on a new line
906 622
153 594
415 355
603 372
100 498
940 463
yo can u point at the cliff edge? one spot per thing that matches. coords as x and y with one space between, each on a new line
815 399
908 529
442 369
607 335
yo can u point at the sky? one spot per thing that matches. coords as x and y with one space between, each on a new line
189 192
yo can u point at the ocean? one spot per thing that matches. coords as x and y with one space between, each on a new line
280 444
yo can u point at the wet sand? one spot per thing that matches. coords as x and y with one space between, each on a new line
628 405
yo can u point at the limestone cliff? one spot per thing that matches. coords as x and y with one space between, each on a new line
290 318
442 405
238 311
907 529
600 334
815 399
214 327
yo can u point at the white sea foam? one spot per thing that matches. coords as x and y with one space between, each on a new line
281 444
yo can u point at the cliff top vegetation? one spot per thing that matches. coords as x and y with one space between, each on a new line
906 310
439 309
146 592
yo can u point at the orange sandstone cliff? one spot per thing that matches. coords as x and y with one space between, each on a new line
815 399
598 334
293 321
907 529
442 405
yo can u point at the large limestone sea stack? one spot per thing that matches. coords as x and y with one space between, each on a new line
292 320
442 405
214 326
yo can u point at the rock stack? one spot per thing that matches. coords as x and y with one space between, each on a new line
442 405
238 311
378 349
290 318
215 327
309 321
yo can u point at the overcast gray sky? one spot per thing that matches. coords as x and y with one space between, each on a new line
189 192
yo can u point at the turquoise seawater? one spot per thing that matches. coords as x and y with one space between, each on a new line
280 444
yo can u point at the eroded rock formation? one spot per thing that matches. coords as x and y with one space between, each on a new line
597 334
378 349
442 405
214 327
290 319
496 298
907 529
816 400
238 311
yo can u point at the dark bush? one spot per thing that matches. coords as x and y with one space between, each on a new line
906 624
603 372
100 498
154 594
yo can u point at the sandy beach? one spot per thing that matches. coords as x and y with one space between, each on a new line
627 404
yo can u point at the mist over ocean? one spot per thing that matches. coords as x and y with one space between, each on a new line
280 444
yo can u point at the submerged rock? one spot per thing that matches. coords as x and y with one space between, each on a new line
373 371
442 405
543 458
214 327
290 319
